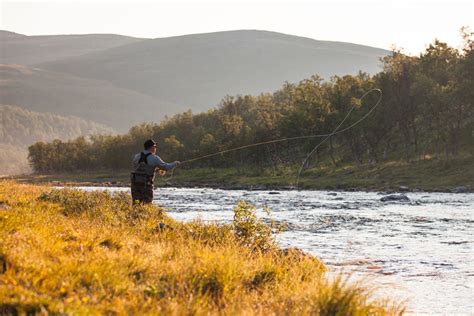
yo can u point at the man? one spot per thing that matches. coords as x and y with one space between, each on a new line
143 174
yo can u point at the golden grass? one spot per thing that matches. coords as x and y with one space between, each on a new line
68 251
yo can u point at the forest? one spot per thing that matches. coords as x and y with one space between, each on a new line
426 112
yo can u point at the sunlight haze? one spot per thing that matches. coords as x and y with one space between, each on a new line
410 25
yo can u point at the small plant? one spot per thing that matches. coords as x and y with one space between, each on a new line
343 297
210 284
262 278
251 231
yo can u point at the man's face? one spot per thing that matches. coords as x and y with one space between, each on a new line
153 149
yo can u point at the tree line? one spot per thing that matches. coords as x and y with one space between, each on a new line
426 112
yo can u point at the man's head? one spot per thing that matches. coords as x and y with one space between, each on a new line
150 145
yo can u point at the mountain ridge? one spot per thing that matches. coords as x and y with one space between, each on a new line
90 99
198 70
28 50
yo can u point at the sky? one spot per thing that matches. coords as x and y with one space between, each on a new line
409 25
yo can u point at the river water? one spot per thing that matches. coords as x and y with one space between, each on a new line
420 251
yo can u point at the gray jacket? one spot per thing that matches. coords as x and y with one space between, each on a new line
153 162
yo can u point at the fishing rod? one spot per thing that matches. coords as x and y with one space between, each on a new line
326 137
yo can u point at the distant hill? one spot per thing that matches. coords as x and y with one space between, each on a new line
198 70
27 50
100 101
20 128
24 127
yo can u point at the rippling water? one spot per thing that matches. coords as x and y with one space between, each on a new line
421 250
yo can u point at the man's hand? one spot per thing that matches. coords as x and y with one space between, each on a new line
162 173
177 163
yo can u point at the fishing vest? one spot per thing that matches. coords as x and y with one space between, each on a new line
143 172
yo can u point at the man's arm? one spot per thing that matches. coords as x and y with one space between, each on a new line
156 161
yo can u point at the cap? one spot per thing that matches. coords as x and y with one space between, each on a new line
149 143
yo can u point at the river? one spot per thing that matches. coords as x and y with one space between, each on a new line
420 251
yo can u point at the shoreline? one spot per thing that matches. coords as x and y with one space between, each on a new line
450 176
33 179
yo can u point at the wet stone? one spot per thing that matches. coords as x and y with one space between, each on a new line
460 189
455 242
403 188
395 197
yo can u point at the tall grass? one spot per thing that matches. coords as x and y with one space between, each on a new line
73 252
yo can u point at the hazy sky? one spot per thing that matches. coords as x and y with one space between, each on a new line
407 24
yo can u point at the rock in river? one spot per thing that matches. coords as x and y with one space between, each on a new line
403 188
395 197
460 189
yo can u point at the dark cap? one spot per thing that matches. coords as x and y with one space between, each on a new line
149 143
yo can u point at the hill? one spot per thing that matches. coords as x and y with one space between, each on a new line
27 50
20 128
95 100
198 70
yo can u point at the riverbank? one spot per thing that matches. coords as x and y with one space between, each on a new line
428 175
75 252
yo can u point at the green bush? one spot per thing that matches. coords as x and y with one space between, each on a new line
251 231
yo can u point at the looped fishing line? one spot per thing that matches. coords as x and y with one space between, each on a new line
336 131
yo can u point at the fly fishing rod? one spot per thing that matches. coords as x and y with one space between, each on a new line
326 137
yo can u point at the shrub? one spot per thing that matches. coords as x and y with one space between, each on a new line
250 231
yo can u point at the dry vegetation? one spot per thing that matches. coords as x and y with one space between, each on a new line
68 251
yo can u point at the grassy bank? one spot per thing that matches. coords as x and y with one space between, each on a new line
427 175
67 251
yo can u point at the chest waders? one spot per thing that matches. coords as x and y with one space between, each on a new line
142 179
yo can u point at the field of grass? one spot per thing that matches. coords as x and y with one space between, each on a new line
68 251
427 175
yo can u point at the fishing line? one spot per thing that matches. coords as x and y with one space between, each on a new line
336 131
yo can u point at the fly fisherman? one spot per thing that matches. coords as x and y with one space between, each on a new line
143 174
